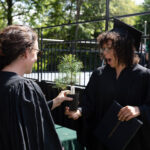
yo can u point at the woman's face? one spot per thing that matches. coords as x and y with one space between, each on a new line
32 57
109 54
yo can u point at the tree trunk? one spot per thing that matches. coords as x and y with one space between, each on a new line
9 12
79 2
70 13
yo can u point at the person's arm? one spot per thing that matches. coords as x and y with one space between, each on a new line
57 101
145 108
129 112
50 103
85 109
73 114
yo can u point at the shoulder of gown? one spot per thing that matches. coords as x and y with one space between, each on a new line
25 115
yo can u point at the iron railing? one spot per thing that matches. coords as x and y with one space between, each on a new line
85 49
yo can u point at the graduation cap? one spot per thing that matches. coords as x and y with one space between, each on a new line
128 31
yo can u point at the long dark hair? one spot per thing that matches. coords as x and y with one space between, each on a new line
14 40
122 44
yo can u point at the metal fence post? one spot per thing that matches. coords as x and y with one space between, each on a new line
41 69
107 15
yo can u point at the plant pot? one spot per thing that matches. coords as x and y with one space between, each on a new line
73 105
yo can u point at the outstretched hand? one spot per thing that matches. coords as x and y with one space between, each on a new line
57 101
72 114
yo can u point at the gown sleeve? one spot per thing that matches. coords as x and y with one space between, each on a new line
89 96
88 105
145 108
31 123
50 103
145 113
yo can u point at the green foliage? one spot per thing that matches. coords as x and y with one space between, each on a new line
65 11
39 13
68 69
123 7
141 19
22 11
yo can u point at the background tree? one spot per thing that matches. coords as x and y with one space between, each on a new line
124 7
141 19
39 13
21 11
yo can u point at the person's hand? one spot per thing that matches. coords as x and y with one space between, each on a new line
128 112
60 98
72 114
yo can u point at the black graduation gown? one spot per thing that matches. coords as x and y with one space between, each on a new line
131 88
25 118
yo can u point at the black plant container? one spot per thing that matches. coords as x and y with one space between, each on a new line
73 105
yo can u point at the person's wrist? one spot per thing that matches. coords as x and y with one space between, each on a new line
55 103
137 110
80 111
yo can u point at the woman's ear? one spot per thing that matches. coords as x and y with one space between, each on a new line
25 54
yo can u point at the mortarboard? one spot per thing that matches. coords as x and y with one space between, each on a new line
128 31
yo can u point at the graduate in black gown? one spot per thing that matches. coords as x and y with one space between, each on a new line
120 80
25 115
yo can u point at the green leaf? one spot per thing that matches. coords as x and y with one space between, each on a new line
68 69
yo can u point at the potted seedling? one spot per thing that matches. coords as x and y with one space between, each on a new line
68 68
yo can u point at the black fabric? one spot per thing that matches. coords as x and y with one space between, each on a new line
131 88
128 31
25 119
111 130
50 103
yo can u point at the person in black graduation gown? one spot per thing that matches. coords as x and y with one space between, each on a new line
119 80
25 117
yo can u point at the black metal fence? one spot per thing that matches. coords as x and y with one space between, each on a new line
85 50
54 45
85 47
